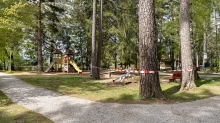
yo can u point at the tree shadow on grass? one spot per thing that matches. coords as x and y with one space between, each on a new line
124 99
174 94
13 113
173 89
186 96
207 81
201 82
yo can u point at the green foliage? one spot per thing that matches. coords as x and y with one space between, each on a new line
167 15
67 25
52 28
121 25
14 26
79 30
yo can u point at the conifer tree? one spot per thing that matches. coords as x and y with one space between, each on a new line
149 82
186 51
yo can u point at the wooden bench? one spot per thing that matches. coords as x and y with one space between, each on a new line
175 75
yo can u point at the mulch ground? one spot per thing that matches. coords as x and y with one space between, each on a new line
105 77
135 81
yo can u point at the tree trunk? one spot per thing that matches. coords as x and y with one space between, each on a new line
11 66
204 51
12 62
115 58
186 50
136 62
100 41
40 58
216 40
149 83
4 65
196 75
94 56
211 61
172 58
52 42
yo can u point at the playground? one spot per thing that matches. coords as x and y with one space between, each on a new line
110 77
62 62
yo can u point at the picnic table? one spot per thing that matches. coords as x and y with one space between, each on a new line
175 75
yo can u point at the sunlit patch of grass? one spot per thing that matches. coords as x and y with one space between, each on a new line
13 113
9 72
83 88
205 89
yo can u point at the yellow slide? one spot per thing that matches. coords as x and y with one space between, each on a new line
75 66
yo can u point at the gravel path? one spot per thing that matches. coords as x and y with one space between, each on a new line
64 109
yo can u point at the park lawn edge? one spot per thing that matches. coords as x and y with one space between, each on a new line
96 89
11 112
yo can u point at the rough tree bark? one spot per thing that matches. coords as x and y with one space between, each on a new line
39 51
186 49
149 83
99 52
94 56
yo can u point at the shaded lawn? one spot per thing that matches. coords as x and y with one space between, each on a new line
84 87
12 113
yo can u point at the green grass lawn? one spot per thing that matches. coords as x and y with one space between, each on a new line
12 113
84 87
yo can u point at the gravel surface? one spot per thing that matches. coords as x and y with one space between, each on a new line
64 109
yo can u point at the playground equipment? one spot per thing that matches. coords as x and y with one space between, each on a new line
56 65
63 63
122 77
